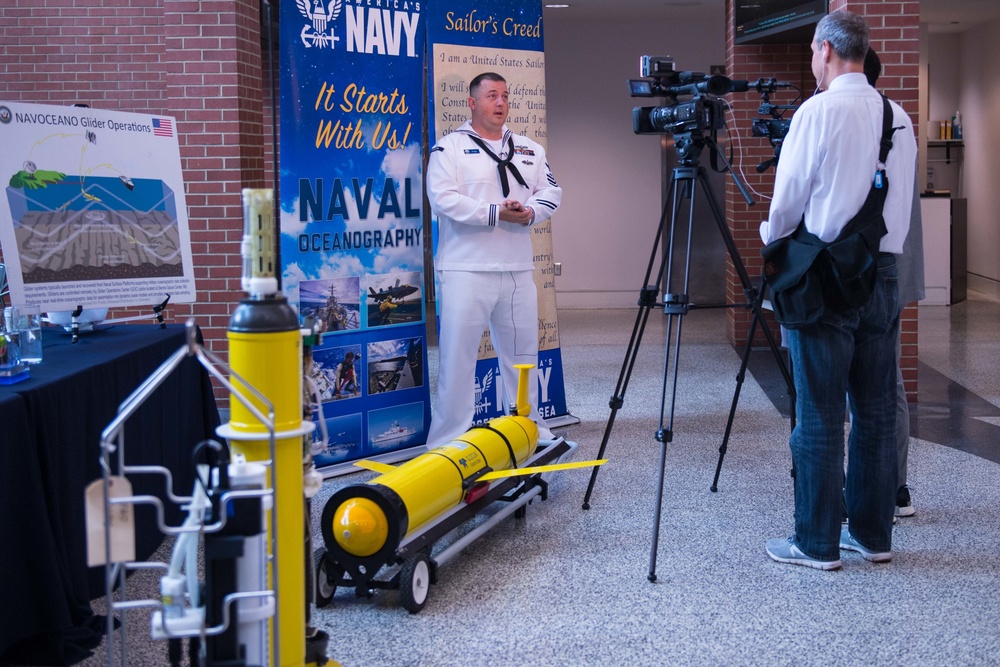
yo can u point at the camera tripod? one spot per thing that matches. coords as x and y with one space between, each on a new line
675 304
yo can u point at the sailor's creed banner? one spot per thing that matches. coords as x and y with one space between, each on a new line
466 38
351 229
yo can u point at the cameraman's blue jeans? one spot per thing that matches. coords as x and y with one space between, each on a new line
851 353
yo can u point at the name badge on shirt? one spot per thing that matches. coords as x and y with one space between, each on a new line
470 151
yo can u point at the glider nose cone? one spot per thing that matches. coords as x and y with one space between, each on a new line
360 527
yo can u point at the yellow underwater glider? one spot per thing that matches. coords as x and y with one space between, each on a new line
397 517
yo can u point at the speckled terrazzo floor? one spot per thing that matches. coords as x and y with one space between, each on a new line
568 587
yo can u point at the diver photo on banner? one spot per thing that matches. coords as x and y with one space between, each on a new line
466 38
351 114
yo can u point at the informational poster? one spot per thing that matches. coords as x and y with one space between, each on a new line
467 38
352 237
92 209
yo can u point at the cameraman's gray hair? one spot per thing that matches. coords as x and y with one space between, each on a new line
847 33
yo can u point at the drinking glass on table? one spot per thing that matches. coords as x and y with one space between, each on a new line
25 321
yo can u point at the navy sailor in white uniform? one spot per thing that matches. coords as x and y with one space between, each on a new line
488 187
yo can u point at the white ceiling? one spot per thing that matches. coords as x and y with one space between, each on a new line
958 15
941 15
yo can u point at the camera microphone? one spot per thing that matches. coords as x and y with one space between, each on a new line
714 85
720 85
771 85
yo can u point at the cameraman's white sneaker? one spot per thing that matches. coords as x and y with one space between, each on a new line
786 551
848 542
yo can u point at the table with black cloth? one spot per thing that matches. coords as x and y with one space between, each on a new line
50 432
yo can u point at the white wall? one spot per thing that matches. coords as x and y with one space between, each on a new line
612 179
945 74
980 104
962 76
943 167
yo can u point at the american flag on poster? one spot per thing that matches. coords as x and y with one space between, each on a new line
163 127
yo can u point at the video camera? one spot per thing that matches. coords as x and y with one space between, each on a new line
776 126
703 113
697 120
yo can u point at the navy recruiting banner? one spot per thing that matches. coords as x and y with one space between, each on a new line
92 208
351 195
466 38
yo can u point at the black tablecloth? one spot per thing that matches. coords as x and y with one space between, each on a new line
50 432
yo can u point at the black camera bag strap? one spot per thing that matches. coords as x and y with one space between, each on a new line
810 278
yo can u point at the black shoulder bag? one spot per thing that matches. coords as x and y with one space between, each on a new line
810 278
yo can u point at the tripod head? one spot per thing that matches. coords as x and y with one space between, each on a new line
689 146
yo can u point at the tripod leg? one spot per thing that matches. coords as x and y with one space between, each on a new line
754 296
647 300
775 350
754 300
741 270
732 408
675 306
656 521
619 397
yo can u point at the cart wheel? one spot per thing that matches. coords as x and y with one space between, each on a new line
327 575
414 583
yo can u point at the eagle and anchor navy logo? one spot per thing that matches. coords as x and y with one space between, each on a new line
321 15
373 30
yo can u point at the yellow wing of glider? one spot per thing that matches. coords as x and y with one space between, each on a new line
374 466
500 474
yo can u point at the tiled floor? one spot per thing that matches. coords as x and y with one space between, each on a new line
564 587
959 381
959 378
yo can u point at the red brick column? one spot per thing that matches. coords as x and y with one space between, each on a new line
104 54
895 36
214 88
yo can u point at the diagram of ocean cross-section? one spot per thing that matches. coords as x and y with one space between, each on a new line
92 208
75 228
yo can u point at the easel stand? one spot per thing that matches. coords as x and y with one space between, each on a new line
675 305
76 325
